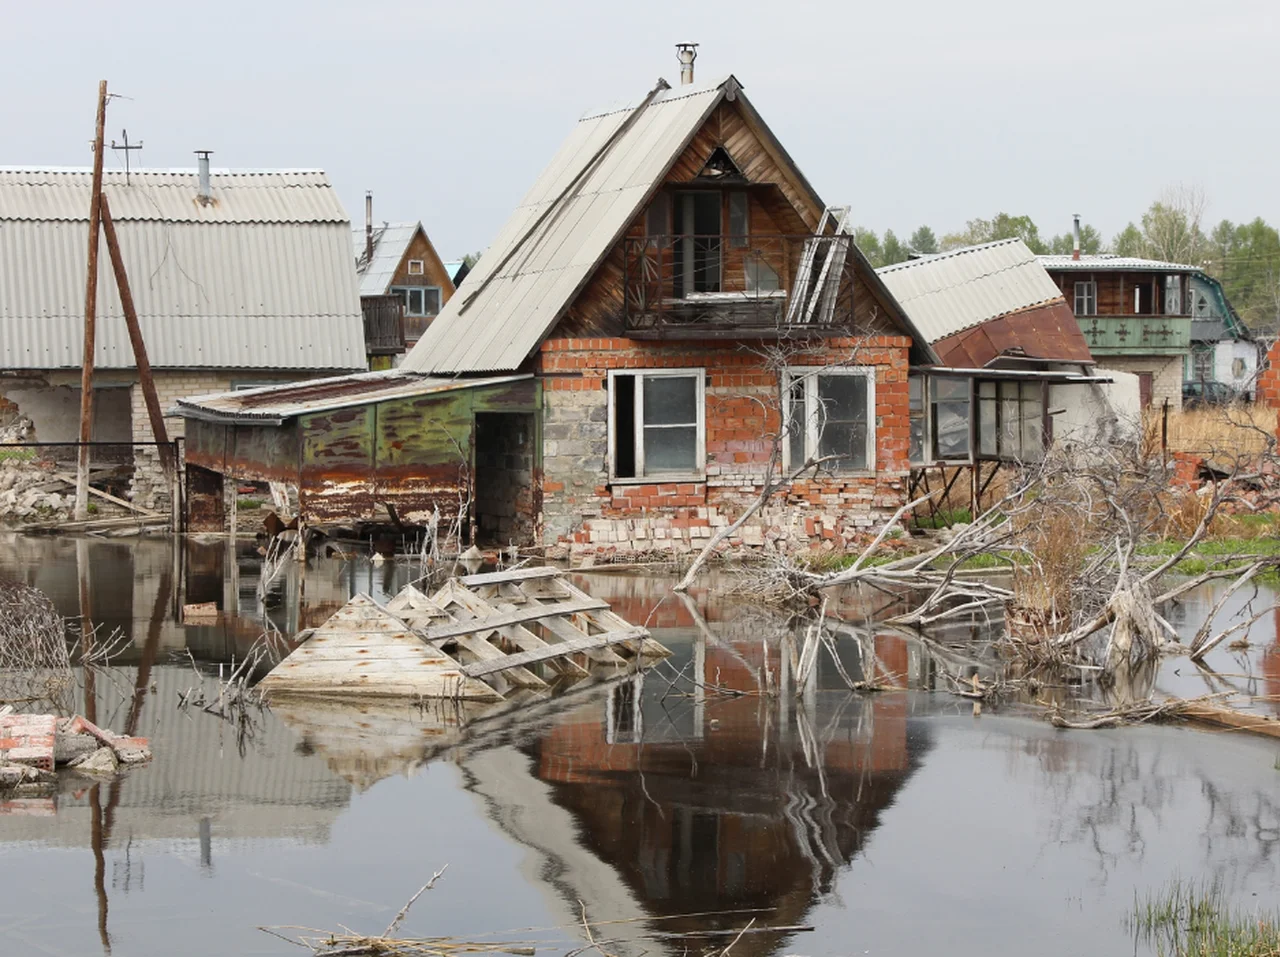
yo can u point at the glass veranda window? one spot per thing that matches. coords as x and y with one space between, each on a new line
829 417
657 423
1011 421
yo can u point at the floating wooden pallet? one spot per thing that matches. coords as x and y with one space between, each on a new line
492 626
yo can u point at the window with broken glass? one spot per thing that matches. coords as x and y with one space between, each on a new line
829 416
1011 421
657 424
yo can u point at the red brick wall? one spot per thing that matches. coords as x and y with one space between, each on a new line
741 419
1269 378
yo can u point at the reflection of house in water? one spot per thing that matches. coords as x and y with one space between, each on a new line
707 803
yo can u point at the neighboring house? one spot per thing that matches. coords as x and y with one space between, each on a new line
1135 314
457 272
1222 347
1009 347
604 380
246 285
397 263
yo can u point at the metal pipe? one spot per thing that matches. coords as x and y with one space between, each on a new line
686 53
1075 237
368 226
205 193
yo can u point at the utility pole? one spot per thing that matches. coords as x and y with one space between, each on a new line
90 315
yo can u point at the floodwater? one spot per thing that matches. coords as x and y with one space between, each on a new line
894 823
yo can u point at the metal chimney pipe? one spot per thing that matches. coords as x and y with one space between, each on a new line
686 53
368 226
1075 237
205 193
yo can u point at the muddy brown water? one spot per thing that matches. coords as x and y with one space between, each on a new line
898 823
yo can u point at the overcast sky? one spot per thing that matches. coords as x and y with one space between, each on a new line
930 111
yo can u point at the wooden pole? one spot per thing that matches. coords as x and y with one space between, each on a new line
90 315
135 338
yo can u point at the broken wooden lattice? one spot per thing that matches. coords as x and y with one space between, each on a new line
476 638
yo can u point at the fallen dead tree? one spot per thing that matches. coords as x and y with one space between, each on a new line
1212 710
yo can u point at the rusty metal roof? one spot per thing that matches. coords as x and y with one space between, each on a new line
272 405
261 278
959 290
528 276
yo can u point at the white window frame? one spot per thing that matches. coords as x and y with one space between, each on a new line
809 375
406 291
1090 288
699 375
416 267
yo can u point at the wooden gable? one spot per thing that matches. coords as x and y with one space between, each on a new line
420 249
782 207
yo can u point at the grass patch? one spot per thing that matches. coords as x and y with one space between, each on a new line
1189 919
248 504
945 518
12 454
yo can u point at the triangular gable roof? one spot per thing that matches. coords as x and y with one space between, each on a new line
390 243
594 187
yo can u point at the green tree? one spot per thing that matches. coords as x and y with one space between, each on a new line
1002 226
470 259
923 242
1246 260
1129 242
869 243
1090 242
892 250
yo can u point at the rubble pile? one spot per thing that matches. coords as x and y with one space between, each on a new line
34 746
30 490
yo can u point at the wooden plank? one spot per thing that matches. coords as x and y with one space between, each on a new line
98 493
566 631
515 617
514 575
609 620
518 635
577 646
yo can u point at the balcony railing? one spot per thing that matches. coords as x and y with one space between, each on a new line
383 324
737 286
1151 335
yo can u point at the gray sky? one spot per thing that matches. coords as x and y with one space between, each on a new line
931 111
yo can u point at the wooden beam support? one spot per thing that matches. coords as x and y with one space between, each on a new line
149 396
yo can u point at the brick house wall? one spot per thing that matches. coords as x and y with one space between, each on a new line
1269 378
584 513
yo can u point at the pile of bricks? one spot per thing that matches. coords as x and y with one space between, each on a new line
33 745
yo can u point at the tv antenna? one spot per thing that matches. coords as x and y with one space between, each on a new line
127 147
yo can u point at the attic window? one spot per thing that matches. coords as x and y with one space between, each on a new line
720 166
415 267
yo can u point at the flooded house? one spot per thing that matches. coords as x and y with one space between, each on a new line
616 372
403 284
671 318
239 279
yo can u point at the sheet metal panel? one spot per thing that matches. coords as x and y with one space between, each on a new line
1105 262
949 293
43 194
208 295
390 242
505 322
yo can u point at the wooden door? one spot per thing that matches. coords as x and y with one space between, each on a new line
1146 381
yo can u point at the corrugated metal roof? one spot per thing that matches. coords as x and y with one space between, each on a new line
262 278
390 240
283 196
958 290
1104 262
273 404
508 317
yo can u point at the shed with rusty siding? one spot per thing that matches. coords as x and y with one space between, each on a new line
357 447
